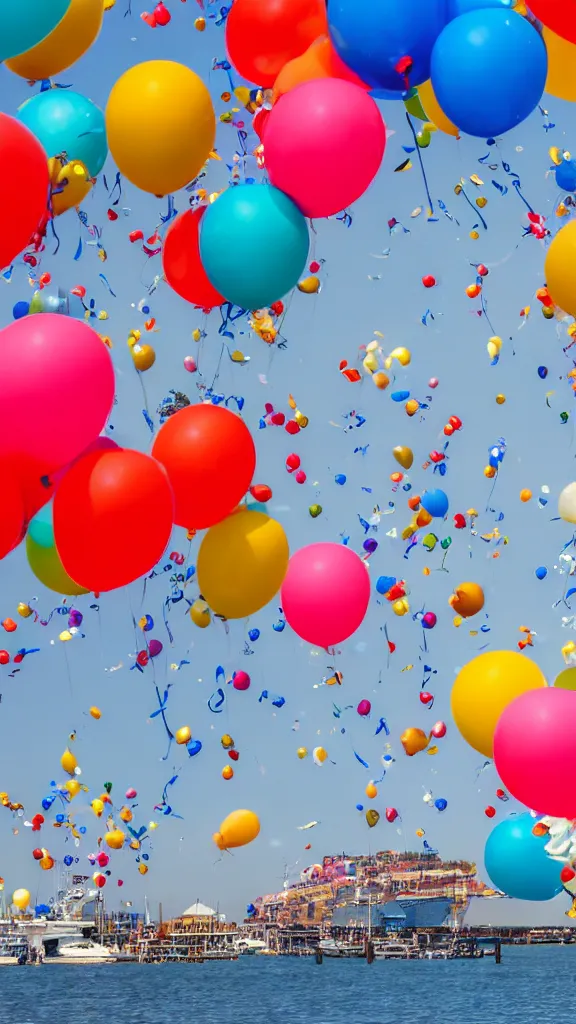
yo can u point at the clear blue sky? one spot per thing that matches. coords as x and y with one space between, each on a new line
51 695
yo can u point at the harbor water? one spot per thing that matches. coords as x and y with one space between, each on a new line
530 981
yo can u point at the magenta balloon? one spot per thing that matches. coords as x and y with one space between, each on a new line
535 750
325 593
325 141
57 387
364 708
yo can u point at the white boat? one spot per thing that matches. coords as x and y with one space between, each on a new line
85 949
250 947
396 951
333 948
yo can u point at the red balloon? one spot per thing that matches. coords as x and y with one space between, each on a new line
37 853
558 15
24 185
100 881
182 265
261 37
12 511
113 515
209 455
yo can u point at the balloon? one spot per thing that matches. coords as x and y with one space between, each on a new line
324 145
566 172
325 594
374 39
566 680
435 502
21 898
65 44
557 15
12 511
404 456
558 269
67 122
534 750
517 862
567 504
484 687
319 61
478 90
68 762
467 599
26 23
434 111
238 829
161 125
262 37
209 456
561 55
364 708
47 567
414 740
241 563
372 817
23 196
115 839
113 515
181 261
253 245
319 755
46 362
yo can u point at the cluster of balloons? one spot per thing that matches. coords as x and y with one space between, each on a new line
504 708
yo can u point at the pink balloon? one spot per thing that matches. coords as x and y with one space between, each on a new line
325 593
241 680
535 750
57 388
324 144
364 708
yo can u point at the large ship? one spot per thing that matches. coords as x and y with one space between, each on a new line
430 892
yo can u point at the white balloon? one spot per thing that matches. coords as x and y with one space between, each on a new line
567 504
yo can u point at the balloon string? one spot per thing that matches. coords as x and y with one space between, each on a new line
421 162
475 210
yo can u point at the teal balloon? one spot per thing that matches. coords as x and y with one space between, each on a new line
25 23
517 862
40 527
253 245
67 122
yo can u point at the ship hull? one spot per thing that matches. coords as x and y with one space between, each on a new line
429 912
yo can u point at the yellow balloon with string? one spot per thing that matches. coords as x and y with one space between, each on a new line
434 111
71 38
70 183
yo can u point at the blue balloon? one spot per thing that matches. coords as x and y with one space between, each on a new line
542 372
541 572
385 583
253 634
435 502
458 7
489 70
440 804
66 122
517 862
373 38
253 245
20 309
566 175
400 396
340 479
25 23
41 527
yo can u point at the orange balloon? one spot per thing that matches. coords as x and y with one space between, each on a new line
113 514
209 456
319 61
261 37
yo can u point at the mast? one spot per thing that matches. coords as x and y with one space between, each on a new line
369 916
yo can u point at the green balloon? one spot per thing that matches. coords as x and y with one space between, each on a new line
423 138
566 680
47 567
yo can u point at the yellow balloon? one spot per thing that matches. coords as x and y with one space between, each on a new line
414 740
567 679
200 614
467 599
561 58
320 755
183 735
403 455
21 898
560 268
434 111
484 687
301 753
238 829
97 806
47 567
70 39
371 791
114 839
96 713
126 815
241 563
70 184
160 124
143 869
68 762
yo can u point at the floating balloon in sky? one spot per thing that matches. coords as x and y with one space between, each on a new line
517 862
325 594
238 829
64 44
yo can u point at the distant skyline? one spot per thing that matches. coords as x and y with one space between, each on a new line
371 280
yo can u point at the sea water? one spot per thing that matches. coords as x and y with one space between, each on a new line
531 983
